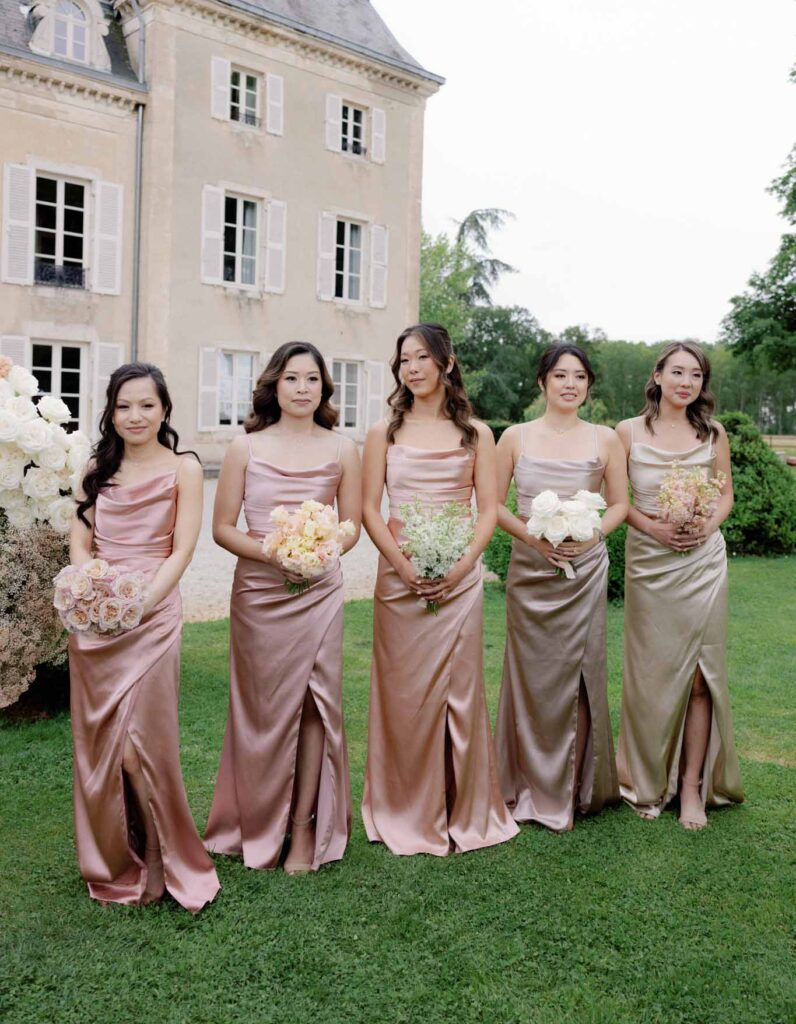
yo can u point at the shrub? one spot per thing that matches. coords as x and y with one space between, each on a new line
763 519
615 543
497 427
498 551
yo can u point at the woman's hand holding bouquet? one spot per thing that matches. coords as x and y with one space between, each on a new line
306 543
100 598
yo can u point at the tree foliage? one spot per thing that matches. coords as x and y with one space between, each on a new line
473 237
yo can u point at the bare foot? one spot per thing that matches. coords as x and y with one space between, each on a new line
302 846
692 810
155 880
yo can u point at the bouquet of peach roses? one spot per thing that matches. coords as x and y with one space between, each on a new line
307 542
100 598
688 497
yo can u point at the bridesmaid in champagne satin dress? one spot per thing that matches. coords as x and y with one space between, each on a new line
430 781
676 735
284 763
141 508
553 732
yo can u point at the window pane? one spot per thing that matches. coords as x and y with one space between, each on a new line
229 238
42 356
74 405
226 371
73 221
336 372
229 267
234 96
46 189
78 50
235 79
341 232
351 394
70 357
247 268
243 409
60 39
245 365
249 242
354 262
45 216
73 247
357 116
45 244
230 209
249 214
45 378
356 236
351 373
73 195
349 419
353 289
70 382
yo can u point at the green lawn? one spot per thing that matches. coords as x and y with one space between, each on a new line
620 921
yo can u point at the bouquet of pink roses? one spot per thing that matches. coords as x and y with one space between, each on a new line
307 542
688 497
99 597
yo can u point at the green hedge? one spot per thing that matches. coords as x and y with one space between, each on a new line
498 552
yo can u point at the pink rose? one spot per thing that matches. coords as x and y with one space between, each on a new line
76 620
110 613
94 610
128 586
131 616
63 599
5 366
96 568
81 586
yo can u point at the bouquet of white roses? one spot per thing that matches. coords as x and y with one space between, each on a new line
556 520
307 542
99 597
436 538
40 463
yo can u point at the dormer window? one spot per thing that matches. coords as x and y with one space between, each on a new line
69 31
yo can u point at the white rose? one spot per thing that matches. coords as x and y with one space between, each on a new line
53 409
60 436
11 473
75 481
12 499
53 457
41 483
61 513
34 436
591 499
581 527
9 426
573 508
23 408
78 439
22 382
556 529
6 392
78 457
545 504
20 516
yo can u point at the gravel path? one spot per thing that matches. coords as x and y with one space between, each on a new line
207 583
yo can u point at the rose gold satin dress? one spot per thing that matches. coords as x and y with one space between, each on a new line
675 620
555 637
281 645
127 685
430 781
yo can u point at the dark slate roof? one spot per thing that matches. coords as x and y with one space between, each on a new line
353 24
16 29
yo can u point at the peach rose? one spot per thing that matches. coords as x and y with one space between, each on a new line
63 599
5 366
77 620
128 586
81 586
131 616
110 613
96 568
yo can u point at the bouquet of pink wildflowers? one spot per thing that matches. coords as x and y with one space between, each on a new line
688 497
307 542
99 598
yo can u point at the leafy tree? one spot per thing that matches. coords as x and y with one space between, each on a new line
446 271
473 237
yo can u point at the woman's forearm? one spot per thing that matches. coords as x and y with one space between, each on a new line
512 524
380 534
237 542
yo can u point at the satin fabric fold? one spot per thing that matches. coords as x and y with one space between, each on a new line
675 620
281 645
127 685
430 781
555 636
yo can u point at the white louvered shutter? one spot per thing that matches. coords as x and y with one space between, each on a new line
208 388
106 358
378 136
276 243
18 203
220 70
334 122
327 226
212 234
376 397
17 348
275 104
379 244
107 271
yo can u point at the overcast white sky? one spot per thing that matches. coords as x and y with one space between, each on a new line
633 139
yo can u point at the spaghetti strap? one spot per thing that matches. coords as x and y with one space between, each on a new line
339 449
594 436
633 430
522 438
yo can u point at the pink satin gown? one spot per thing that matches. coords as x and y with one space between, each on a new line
555 638
281 645
127 685
430 782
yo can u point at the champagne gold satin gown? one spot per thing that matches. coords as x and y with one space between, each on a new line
281 645
430 781
675 620
555 637
127 685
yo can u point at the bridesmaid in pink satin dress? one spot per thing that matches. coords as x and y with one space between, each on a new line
284 763
430 783
141 507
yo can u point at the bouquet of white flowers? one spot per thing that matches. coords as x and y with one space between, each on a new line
308 541
436 538
40 463
556 520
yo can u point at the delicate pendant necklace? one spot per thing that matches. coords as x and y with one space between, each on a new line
560 430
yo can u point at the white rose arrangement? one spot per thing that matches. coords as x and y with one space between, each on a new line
41 465
555 520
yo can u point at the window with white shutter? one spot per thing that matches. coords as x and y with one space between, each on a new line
378 136
334 122
220 73
18 219
377 400
108 238
347 378
274 104
61 368
244 97
106 358
379 242
348 260
226 382
275 246
353 121
327 227
208 388
212 228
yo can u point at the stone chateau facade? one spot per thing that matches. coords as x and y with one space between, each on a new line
195 182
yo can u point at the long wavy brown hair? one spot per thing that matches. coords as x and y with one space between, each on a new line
106 457
457 405
265 405
700 411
